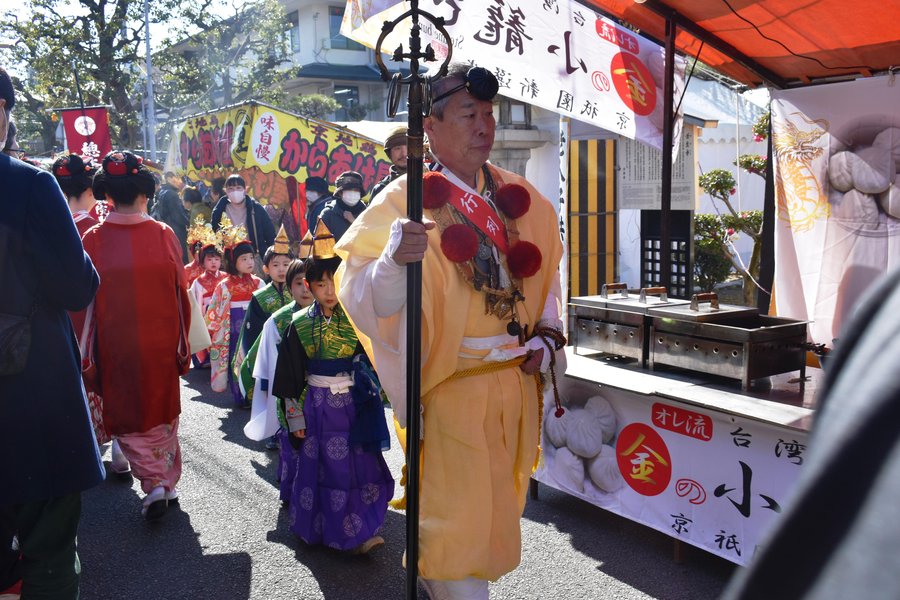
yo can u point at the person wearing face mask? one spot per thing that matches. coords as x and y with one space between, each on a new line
317 196
244 210
346 205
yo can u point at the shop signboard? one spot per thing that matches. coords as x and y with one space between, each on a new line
710 479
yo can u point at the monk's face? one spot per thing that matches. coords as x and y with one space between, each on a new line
463 138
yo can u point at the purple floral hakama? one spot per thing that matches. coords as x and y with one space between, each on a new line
340 493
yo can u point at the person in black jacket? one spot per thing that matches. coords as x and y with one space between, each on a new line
43 272
169 209
244 210
346 205
317 197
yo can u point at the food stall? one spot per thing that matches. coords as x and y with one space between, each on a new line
699 429
704 458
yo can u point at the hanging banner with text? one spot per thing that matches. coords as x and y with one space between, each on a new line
837 190
555 54
87 132
275 151
713 480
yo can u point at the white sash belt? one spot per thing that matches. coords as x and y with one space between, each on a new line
502 347
339 384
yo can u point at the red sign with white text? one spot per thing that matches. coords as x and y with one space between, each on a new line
87 132
683 421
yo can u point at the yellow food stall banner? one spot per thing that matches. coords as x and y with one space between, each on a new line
278 144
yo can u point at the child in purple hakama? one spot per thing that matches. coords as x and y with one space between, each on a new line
334 410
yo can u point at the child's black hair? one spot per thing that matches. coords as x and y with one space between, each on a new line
270 254
209 251
317 268
73 174
297 268
233 254
191 194
125 177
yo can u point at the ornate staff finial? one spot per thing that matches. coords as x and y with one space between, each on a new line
415 54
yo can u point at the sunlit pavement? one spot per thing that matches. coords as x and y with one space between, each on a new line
229 539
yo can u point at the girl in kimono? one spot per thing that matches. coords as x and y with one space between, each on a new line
74 176
203 287
333 409
228 305
139 327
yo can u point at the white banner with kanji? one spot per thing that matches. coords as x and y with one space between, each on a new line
556 54
837 188
710 479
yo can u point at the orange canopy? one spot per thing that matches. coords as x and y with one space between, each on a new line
781 42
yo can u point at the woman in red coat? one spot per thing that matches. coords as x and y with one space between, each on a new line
142 316
74 176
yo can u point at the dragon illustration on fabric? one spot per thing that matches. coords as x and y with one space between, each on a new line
801 198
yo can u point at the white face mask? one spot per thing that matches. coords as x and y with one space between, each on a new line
312 196
350 197
236 196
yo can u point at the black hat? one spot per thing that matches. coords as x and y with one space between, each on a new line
349 180
478 81
316 184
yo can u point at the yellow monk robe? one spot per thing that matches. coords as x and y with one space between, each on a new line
480 432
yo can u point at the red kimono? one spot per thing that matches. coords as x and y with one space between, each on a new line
83 222
142 317
192 271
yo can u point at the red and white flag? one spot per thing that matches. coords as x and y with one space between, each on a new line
87 132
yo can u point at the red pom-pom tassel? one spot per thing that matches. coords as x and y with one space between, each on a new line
459 243
435 190
514 200
524 260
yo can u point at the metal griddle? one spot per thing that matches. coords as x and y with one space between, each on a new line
729 341
616 321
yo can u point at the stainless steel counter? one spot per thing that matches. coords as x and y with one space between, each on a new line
782 403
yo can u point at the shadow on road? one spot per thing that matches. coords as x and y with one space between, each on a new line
376 575
122 556
623 549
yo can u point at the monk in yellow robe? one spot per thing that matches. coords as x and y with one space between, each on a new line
490 249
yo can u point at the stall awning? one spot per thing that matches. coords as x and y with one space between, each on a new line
780 42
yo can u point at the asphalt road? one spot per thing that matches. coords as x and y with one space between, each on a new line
229 540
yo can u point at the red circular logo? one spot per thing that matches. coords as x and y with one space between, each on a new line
643 459
634 83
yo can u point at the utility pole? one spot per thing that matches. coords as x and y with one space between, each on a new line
151 109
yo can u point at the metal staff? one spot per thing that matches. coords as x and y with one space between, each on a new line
419 106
